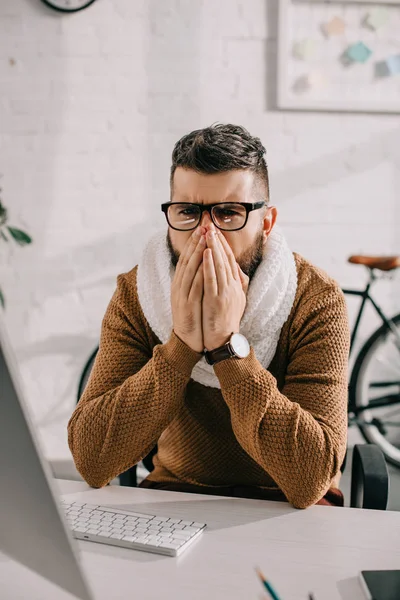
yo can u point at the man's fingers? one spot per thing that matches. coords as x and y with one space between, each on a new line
187 251
219 259
230 256
210 277
191 267
197 289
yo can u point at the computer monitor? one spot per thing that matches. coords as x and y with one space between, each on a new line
32 526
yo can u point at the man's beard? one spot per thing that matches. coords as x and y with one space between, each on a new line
248 261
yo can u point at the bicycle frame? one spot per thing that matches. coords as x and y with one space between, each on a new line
365 295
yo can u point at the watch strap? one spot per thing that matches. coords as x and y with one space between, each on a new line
222 353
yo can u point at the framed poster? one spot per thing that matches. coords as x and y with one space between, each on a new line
339 55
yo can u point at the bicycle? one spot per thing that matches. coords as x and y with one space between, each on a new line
364 405
376 370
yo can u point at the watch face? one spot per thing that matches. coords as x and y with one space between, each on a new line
68 5
240 345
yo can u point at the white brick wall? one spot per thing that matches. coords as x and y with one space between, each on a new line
89 115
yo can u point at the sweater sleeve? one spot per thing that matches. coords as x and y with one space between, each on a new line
133 394
298 435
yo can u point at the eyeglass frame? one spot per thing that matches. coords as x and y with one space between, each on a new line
248 206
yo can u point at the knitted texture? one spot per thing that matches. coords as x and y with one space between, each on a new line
269 300
284 427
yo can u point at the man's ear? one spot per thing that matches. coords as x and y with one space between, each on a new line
269 220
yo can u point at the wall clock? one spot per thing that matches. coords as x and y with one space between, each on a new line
68 6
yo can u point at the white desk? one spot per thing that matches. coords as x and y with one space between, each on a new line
321 549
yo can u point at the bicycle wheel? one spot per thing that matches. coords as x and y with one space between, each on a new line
375 390
86 374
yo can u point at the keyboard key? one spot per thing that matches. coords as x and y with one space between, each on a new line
126 514
153 541
152 546
80 529
199 525
105 534
129 538
172 545
142 539
191 530
173 521
188 523
181 535
93 506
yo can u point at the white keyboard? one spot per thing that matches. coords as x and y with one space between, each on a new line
139 531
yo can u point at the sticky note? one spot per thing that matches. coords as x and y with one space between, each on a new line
388 67
313 80
317 79
358 52
377 17
304 49
335 26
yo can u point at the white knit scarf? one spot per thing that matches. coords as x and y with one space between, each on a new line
270 298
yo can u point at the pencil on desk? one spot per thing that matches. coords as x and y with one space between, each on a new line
267 585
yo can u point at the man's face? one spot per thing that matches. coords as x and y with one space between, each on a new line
232 186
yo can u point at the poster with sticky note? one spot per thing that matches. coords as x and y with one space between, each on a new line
339 55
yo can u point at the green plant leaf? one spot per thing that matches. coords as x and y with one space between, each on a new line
3 213
3 235
2 299
20 236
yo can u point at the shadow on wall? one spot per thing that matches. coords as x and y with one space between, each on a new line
30 140
271 54
173 110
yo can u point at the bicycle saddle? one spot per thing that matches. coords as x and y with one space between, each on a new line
383 263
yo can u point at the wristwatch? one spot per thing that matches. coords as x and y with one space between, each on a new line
236 347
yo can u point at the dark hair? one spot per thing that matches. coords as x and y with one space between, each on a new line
221 148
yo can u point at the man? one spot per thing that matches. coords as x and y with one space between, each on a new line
222 346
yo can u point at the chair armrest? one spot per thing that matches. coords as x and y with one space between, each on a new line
369 478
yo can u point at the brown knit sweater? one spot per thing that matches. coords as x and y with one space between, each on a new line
284 427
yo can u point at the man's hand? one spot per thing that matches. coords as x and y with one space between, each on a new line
187 292
225 287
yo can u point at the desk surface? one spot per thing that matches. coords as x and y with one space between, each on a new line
321 549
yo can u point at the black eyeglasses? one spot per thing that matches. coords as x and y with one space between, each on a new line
227 216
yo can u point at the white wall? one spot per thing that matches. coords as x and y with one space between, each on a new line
89 115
